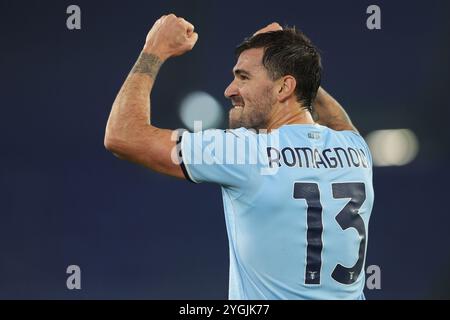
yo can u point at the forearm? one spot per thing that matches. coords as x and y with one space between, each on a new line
129 133
130 114
330 113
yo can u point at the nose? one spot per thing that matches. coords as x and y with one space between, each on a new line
231 90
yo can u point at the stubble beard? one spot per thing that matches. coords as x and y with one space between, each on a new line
256 116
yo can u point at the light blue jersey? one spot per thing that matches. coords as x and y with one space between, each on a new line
297 205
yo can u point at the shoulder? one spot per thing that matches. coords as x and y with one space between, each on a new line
344 133
240 132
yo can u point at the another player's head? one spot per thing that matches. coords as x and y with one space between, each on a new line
272 68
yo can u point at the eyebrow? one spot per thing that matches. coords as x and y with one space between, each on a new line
238 72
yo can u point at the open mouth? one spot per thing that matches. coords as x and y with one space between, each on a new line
238 107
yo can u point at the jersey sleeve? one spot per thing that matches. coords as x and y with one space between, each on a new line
218 156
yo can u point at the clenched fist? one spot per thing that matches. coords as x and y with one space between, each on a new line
170 36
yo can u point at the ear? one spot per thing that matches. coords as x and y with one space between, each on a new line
286 88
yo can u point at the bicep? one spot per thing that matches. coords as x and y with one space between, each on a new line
155 149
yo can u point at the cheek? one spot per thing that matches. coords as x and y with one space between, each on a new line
236 113
258 98
248 93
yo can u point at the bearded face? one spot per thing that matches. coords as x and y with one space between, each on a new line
251 92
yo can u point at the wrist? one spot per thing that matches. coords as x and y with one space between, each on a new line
148 63
155 52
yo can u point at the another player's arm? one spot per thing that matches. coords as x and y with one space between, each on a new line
129 132
330 113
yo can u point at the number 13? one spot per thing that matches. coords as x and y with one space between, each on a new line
348 217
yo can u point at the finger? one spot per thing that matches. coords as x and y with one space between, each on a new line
275 26
189 26
193 39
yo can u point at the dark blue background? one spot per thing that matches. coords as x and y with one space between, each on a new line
135 234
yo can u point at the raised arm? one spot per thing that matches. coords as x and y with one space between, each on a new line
129 133
330 113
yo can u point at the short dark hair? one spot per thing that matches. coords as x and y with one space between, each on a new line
289 52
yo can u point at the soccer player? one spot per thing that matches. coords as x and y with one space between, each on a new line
297 193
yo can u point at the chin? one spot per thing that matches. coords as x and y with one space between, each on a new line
237 125
234 121
233 125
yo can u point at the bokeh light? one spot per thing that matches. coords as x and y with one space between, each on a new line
200 106
393 147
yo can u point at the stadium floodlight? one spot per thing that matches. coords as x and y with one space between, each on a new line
395 147
200 106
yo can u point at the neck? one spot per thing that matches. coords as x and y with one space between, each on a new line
288 113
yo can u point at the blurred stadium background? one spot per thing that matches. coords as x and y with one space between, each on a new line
135 234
